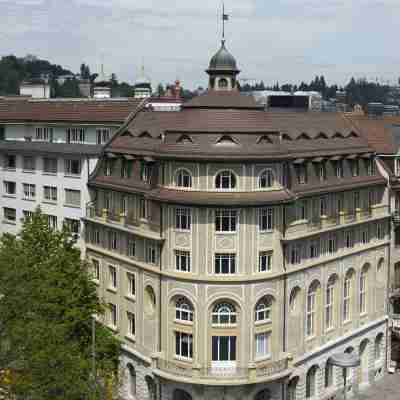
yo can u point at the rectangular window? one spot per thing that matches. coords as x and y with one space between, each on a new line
380 231
95 237
332 244
356 200
9 188
73 197
10 214
323 206
363 293
301 174
339 169
321 171
112 240
131 285
314 248
295 254
52 221
262 344
266 219
329 306
145 170
29 163
72 167
397 166
182 261
131 247
112 271
302 209
50 193
143 205
27 214
50 165
44 134
225 263
113 318
225 220
311 297
75 135
74 225
264 261
131 324
96 269
29 191
151 254
184 345
365 236
370 166
102 136
349 239
183 219
10 161
354 166
126 168
346 299
108 167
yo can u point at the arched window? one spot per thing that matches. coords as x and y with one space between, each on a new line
151 387
311 308
225 180
149 300
266 179
223 83
294 299
363 289
292 388
183 179
378 346
224 314
330 302
183 310
181 395
380 270
263 395
347 289
328 374
131 380
311 382
263 309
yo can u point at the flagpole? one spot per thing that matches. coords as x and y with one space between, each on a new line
223 21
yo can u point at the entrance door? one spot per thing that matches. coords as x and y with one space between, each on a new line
223 354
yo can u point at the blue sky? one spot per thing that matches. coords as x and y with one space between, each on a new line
272 40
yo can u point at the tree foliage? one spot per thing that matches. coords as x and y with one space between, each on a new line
48 300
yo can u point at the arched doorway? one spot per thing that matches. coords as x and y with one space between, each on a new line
364 355
131 380
292 388
263 395
181 395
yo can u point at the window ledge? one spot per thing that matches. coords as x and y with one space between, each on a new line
182 358
75 176
112 289
71 206
329 330
182 230
263 322
6 221
310 338
263 358
52 202
225 232
49 173
183 322
26 199
9 169
222 326
29 171
130 297
131 337
10 196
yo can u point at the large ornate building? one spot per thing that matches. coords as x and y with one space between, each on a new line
239 248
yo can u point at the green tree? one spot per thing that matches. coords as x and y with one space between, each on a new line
47 302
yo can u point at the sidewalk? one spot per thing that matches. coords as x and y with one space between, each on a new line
388 388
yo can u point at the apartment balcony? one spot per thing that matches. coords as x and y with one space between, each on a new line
396 217
303 228
209 375
127 223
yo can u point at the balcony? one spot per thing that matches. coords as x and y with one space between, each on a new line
196 374
124 222
396 217
299 229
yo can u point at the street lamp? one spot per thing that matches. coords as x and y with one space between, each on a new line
345 360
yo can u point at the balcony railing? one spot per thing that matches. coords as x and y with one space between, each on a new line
396 217
253 372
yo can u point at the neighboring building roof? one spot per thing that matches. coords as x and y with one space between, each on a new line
48 147
382 133
76 111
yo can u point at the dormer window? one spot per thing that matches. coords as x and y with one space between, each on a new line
225 180
227 140
266 179
183 179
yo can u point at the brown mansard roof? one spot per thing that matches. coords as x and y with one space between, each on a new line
63 110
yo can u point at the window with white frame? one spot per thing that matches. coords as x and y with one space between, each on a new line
339 204
225 220
365 235
329 303
321 171
44 134
314 248
347 288
183 218
112 315
73 167
102 135
225 263
145 171
112 277
131 284
151 254
75 135
50 193
225 180
332 243
224 314
96 269
131 247
49 165
10 214
311 309
266 219
356 200
262 344
295 253
182 261
52 221
184 345
183 310
73 197
370 166
143 208
29 163
131 324
29 191
264 261
349 239
380 231
9 188
266 179
262 311
363 290
112 240
123 205
183 179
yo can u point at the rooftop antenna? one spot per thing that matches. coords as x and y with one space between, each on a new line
225 17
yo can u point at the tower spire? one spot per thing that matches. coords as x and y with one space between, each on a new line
225 17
